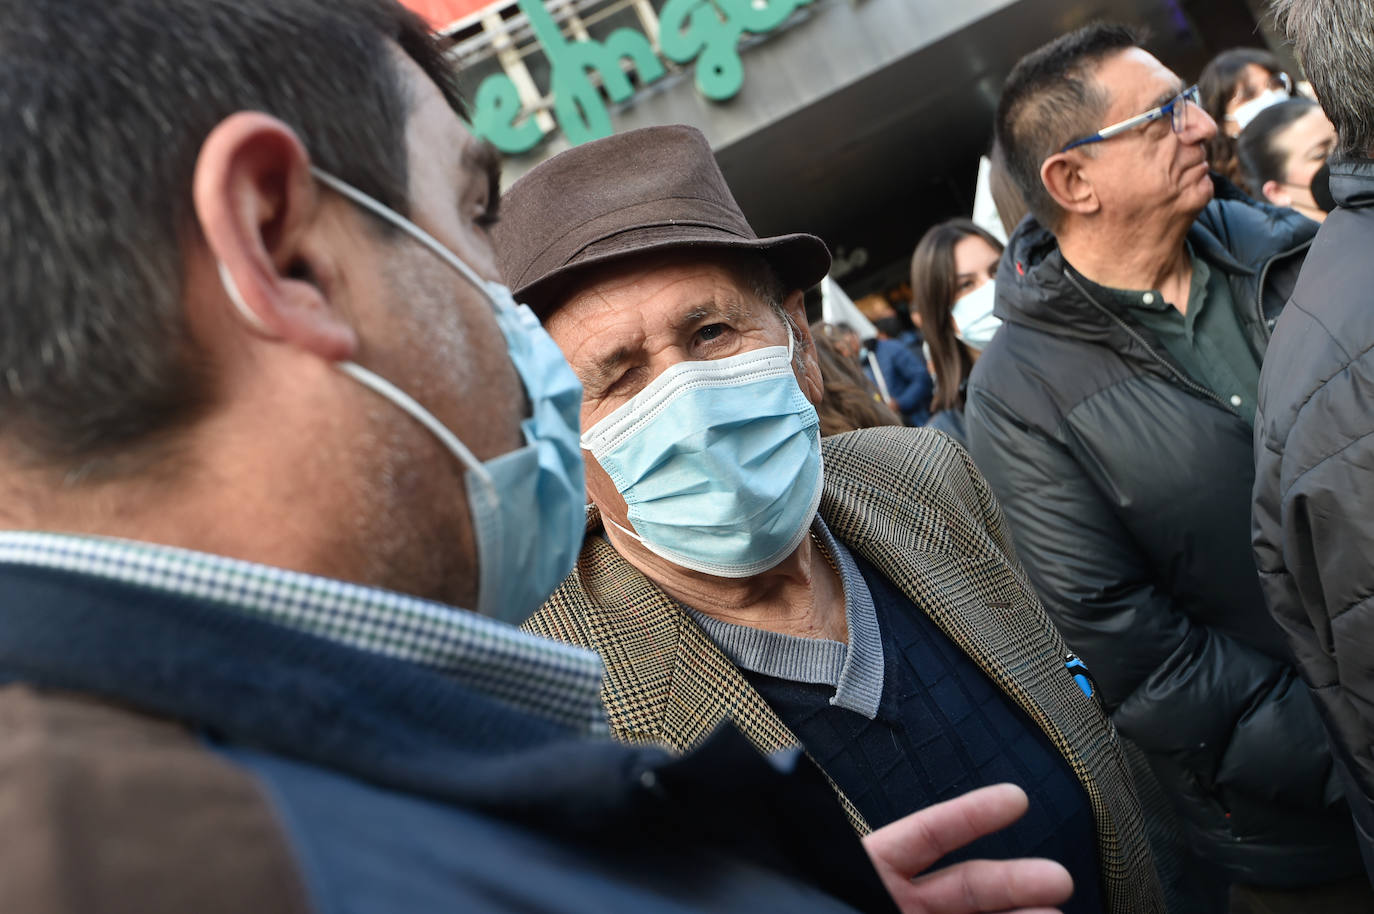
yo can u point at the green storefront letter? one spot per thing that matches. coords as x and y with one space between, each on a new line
497 108
701 30
692 29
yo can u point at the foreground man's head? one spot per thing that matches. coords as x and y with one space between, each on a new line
196 273
1331 38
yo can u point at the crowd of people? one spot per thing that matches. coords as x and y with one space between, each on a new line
1063 604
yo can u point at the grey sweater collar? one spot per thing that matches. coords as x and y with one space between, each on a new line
854 670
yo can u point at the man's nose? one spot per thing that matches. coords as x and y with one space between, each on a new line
1199 126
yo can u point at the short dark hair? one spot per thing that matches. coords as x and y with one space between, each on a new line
1051 99
104 105
1332 41
1261 159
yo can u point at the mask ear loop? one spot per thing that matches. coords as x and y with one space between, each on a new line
368 379
384 388
231 289
380 385
630 533
405 225
382 212
484 505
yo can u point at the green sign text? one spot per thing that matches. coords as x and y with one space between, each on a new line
707 31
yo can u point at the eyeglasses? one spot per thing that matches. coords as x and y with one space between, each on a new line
1176 109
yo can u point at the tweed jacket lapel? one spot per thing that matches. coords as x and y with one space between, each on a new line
666 681
913 505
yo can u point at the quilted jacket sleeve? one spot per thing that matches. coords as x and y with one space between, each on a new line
1177 688
1313 527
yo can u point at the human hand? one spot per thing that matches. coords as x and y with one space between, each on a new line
902 851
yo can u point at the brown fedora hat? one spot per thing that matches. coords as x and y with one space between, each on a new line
652 189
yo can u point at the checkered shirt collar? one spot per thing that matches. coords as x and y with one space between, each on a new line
554 681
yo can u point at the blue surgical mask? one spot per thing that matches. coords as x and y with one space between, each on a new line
526 505
974 322
719 462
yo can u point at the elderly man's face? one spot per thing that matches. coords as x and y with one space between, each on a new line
628 323
1152 168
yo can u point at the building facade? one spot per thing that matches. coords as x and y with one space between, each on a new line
859 120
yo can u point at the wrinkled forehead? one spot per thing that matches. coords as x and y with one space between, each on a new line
1134 81
660 291
625 311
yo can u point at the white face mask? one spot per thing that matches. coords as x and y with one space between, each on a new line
1247 112
974 322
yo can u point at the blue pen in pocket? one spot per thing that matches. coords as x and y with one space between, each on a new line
1079 670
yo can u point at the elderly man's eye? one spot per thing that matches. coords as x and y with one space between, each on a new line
627 383
711 332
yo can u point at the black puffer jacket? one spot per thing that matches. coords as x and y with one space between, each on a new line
1127 485
1314 489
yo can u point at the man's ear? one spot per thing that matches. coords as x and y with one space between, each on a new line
1274 192
794 305
1062 174
258 207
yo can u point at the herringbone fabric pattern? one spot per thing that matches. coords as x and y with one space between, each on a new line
912 503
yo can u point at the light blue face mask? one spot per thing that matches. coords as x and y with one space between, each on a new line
719 462
527 504
974 322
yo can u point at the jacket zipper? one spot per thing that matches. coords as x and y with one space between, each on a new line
1179 376
1259 294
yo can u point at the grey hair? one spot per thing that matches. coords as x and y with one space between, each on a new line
1334 40
764 282
766 286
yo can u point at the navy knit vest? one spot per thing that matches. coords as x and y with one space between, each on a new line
943 729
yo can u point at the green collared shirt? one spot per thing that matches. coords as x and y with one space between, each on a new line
1208 343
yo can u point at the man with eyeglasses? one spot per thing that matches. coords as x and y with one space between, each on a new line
1113 416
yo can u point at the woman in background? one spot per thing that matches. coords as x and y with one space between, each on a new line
952 294
1235 87
1283 152
849 401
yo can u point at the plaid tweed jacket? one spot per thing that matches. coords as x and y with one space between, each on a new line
912 503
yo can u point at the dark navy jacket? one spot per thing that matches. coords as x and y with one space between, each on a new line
393 788
907 379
